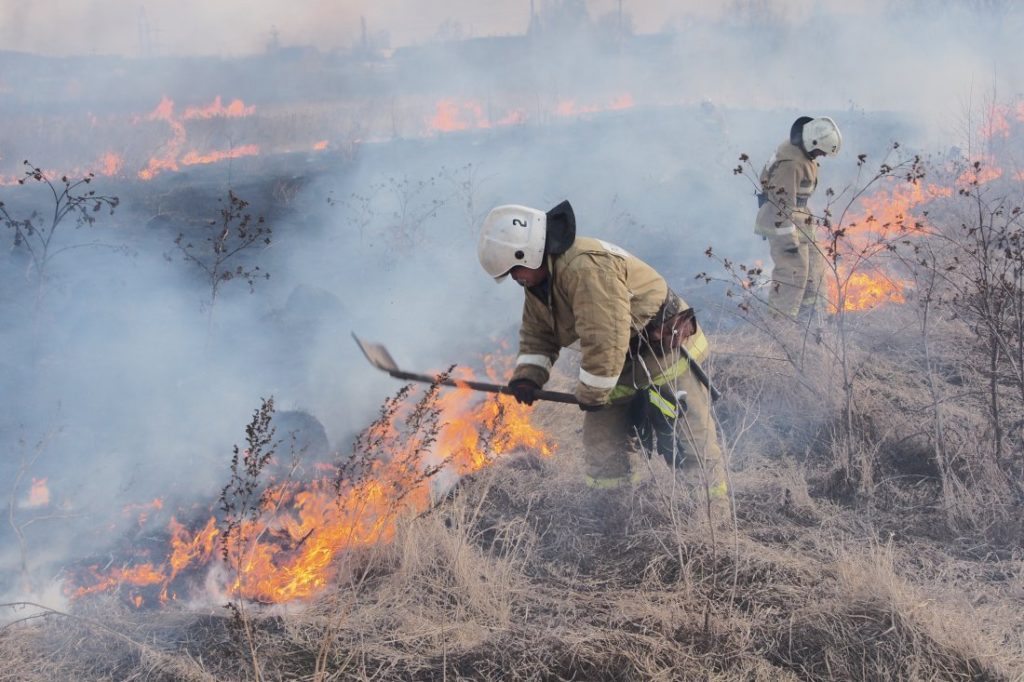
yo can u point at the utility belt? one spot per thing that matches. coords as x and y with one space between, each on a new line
762 199
671 317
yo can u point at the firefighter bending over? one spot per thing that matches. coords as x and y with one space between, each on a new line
787 182
632 330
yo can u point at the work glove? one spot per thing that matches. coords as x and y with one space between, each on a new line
523 390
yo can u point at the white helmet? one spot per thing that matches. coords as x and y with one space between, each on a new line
512 235
822 133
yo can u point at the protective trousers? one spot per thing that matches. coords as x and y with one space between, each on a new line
609 435
796 275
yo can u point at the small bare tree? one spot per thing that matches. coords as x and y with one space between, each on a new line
37 234
227 240
413 206
358 208
466 183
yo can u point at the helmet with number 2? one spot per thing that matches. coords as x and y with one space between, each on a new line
512 235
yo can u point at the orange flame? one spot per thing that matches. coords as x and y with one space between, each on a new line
451 115
236 109
864 291
570 108
144 510
193 158
881 217
169 159
981 172
110 164
996 123
38 494
290 550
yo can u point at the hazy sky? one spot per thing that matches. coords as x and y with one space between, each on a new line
233 27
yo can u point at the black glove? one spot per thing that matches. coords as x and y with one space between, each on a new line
591 408
523 390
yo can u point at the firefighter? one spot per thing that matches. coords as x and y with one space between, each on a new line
634 378
787 182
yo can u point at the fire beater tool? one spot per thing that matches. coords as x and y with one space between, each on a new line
380 358
700 374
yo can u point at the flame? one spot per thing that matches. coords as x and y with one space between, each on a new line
865 291
168 148
144 510
157 503
565 108
110 164
981 172
236 109
996 123
289 550
194 158
880 217
570 108
452 115
38 494
169 160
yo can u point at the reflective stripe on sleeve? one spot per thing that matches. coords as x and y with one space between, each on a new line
595 381
719 490
538 360
665 406
621 391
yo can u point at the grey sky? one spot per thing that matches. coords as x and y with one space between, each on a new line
234 27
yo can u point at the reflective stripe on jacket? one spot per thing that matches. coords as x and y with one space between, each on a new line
697 346
788 180
597 294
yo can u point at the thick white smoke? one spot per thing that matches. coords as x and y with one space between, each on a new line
144 399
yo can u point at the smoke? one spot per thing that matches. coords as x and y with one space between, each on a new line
143 396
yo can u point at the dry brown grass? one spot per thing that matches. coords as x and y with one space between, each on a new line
523 573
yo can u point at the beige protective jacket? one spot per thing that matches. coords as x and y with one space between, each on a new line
787 180
598 294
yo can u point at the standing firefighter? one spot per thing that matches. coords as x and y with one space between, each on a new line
637 339
787 182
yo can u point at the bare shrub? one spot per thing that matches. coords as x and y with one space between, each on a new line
227 241
37 234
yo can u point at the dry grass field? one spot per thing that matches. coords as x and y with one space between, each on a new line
522 573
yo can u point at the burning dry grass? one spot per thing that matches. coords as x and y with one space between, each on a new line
523 573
